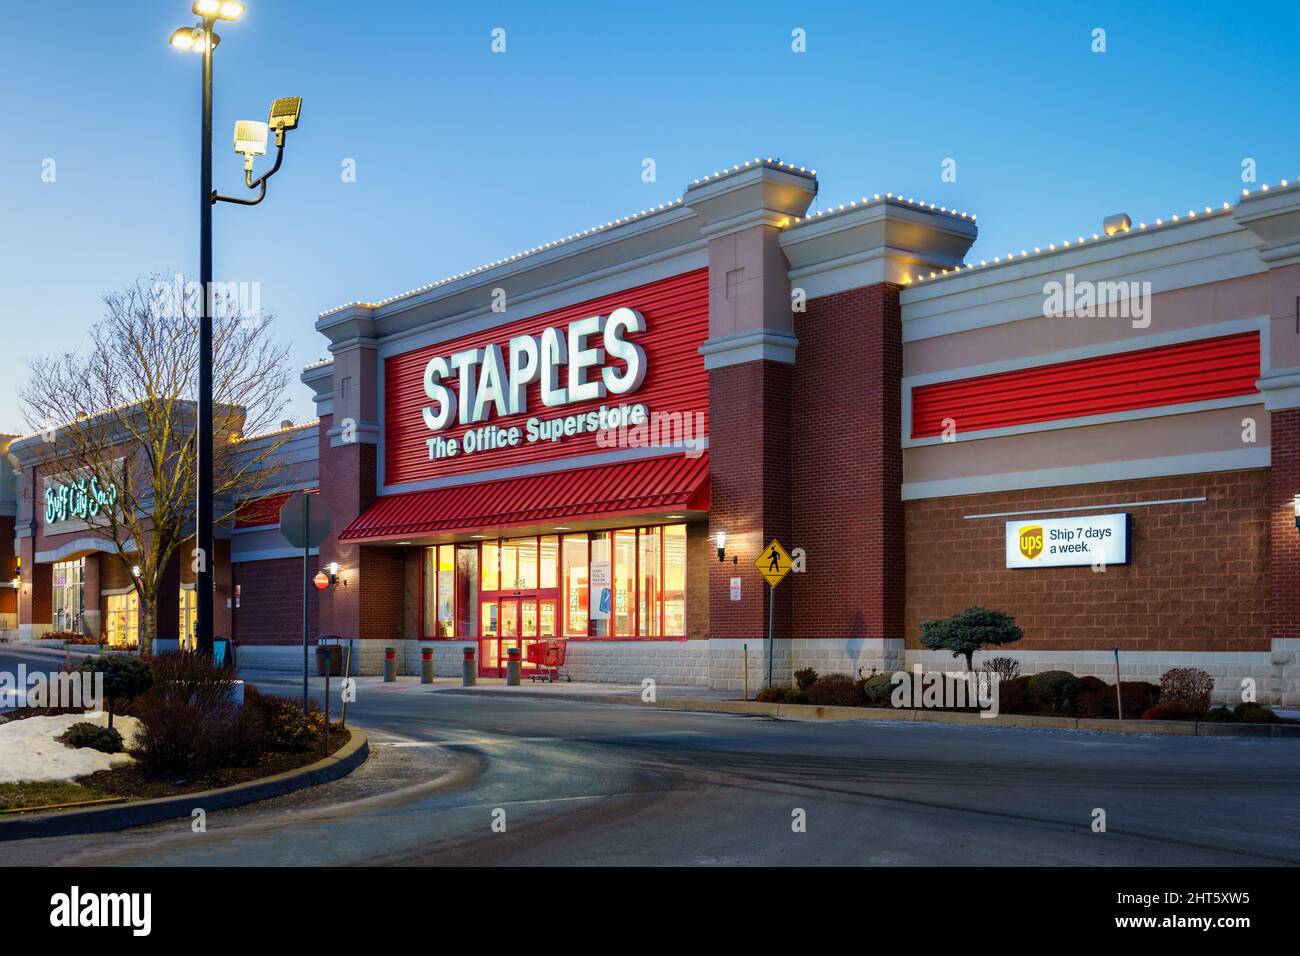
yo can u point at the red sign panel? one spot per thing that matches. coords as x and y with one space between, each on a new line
674 393
1144 378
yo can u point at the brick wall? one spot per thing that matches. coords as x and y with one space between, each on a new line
1198 580
749 464
847 466
383 597
270 602
1285 537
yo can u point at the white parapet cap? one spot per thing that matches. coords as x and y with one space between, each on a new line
277 430
896 199
1177 219
769 163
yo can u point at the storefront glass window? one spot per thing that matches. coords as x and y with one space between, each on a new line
624 583
674 580
649 596
69 594
122 618
602 583
574 593
467 590
439 585
189 619
519 564
490 563
550 555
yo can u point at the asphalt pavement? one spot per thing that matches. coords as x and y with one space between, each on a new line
460 778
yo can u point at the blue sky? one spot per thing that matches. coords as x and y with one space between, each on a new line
464 156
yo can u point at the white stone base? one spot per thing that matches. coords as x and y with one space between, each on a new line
720 662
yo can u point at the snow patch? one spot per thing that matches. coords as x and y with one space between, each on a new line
30 752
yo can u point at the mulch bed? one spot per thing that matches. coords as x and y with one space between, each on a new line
135 783
19 713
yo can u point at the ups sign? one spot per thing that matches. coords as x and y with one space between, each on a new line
1031 541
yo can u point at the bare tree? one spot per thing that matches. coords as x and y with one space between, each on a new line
120 418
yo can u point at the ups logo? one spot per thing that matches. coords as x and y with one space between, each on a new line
1031 541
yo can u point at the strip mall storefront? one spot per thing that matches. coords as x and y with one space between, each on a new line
594 439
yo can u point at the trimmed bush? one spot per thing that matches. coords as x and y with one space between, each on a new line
85 734
878 689
1057 691
1138 697
1189 686
804 678
1169 710
970 630
795 697
286 727
770 695
125 678
1013 696
1249 712
835 690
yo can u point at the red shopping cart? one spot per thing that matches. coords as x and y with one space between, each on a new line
547 657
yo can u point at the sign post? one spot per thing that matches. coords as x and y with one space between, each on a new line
304 527
773 563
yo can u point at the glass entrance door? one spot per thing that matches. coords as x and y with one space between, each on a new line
514 621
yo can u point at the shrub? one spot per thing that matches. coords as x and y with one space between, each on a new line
1188 686
1057 691
1013 696
68 637
1091 683
125 678
878 689
190 723
970 630
1099 701
286 727
1249 712
838 690
770 695
795 697
1169 710
85 734
805 677
1006 668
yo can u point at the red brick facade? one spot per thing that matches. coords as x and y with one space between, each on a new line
1199 578
270 602
8 566
847 466
749 460
1285 536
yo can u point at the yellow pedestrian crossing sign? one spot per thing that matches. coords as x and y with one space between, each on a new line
773 563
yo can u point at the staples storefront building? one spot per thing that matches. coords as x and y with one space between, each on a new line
593 440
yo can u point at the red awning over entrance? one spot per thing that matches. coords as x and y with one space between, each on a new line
673 482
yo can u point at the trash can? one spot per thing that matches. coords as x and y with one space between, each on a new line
329 660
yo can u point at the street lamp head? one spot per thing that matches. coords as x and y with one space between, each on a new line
191 38
284 113
250 140
219 9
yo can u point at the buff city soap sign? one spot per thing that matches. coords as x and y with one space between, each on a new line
81 500
1068 542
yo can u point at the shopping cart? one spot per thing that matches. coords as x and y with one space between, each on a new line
547 657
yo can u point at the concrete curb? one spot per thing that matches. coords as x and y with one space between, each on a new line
826 712
121 816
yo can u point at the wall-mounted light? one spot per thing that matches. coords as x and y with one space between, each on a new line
722 548
16 583
333 570
1297 511
135 571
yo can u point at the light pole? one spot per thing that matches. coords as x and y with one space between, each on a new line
284 116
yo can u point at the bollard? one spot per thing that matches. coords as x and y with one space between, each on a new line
426 665
512 667
468 672
390 664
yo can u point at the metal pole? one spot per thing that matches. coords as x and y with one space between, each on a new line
1119 698
203 440
771 616
306 523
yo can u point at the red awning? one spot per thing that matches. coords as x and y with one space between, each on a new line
629 488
